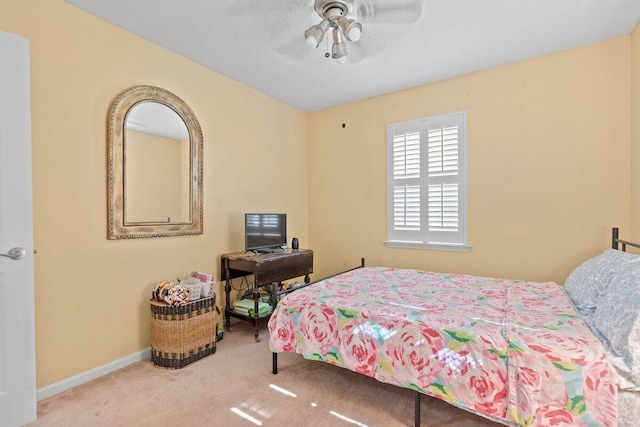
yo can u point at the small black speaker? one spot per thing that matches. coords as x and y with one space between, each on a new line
294 243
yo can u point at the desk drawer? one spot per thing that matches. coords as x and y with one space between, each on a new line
284 268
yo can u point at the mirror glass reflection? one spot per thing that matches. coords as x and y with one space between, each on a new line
157 164
154 166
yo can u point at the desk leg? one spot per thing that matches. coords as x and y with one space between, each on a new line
307 279
275 288
227 291
256 317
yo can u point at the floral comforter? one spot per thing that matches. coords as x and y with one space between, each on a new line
513 351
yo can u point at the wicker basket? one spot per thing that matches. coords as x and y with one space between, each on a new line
183 334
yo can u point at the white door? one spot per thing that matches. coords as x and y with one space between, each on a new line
17 326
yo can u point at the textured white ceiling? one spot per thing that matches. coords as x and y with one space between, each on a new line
260 42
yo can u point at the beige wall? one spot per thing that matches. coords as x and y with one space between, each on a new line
635 134
548 175
91 293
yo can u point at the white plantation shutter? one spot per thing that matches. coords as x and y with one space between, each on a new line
427 182
443 207
406 207
406 173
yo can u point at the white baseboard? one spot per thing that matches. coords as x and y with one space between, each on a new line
92 374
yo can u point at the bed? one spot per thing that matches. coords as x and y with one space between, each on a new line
519 353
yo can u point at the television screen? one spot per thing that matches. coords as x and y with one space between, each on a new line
264 231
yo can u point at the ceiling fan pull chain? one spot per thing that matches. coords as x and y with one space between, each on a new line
327 54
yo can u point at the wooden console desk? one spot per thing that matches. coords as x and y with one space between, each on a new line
268 269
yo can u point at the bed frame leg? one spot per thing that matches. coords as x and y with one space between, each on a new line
275 362
417 403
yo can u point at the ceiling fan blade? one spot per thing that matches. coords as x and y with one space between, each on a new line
389 11
357 53
253 7
272 13
296 49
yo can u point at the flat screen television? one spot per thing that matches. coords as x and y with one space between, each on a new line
264 231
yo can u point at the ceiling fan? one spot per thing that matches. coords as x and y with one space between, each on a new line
341 18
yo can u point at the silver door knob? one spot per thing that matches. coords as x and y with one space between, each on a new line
15 253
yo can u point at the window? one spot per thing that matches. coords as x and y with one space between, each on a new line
426 175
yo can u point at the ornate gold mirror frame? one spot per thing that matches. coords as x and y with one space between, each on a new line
118 227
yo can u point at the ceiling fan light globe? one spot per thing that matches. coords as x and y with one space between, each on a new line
312 42
315 33
354 34
314 36
352 29
338 50
341 60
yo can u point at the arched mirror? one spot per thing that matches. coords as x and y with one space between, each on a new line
155 166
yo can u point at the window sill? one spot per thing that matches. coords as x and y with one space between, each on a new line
451 247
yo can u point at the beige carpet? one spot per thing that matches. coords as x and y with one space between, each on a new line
238 379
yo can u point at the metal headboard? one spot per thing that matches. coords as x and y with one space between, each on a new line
615 241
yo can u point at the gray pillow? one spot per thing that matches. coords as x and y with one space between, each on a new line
616 320
588 283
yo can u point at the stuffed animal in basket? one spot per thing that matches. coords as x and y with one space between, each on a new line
171 293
